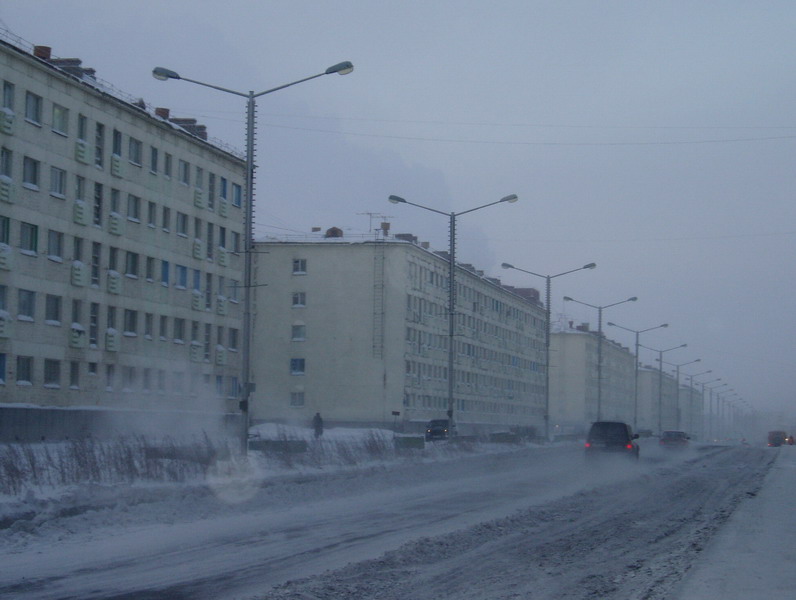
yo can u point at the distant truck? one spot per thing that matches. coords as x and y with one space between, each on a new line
777 438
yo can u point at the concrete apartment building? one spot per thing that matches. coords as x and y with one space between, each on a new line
358 331
119 231
573 380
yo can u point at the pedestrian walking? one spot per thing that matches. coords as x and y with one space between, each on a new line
317 425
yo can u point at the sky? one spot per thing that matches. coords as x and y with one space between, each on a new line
655 139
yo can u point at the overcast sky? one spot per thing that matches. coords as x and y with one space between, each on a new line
654 138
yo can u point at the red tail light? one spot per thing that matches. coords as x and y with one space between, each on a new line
588 445
629 446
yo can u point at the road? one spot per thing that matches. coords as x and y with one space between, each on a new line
501 526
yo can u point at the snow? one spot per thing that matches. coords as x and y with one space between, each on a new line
505 521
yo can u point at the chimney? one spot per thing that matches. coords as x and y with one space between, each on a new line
163 113
43 52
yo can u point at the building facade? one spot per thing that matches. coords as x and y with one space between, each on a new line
119 232
358 331
574 389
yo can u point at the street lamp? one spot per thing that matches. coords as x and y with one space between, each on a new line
691 402
451 277
677 393
547 279
711 422
599 344
245 387
660 380
638 332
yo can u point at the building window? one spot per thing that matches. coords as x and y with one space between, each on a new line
153 159
25 370
6 162
151 213
234 286
99 145
184 172
299 299
97 209
136 152
28 237
182 224
82 127
179 330
164 272
296 398
181 276
113 258
200 178
236 246
3 368
55 244
131 264
130 322
134 208
30 173
237 194
208 291
74 374
52 309
150 268
96 253
26 305
60 119
211 191
110 377
8 95
299 266
128 378
232 334
208 334
116 142
167 160
146 379
298 333
5 229
297 366
163 331
166 219
149 321
52 372
33 104
77 248
93 324
110 317
57 182
115 201
77 311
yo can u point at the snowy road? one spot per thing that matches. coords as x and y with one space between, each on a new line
534 523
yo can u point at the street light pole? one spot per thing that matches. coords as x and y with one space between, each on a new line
711 425
600 344
677 393
245 387
660 380
452 279
547 279
691 402
638 332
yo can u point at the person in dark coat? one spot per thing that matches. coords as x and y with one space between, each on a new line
317 425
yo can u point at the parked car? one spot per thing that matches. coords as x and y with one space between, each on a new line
776 438
675 440
611 438
439 429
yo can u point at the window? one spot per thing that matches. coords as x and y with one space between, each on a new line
30 173
236 241
179 329
208 291
222 237
80 187
26 305
131 264
77 311
299 266
115 200
110 377
197 279
222 187
151 213
164 272
116 144
167 160
25 369
74 374
150 268
96 253
184 172
153 159
136 151
200 178
82 127
211 191
28 237
110 317
52 372
232 334
97 210
296 398
299 299
3 301
234 285
33 104
77 248
299 333
134 208
182 224
57 182
163 327
5 229
93 324
60 119
3 376
181 278
130 322
8 95
149 323
128 378
166 219
52 309
208 334
237 194
197 228
6 161
113 258
210 241
297 366
99 145
55 244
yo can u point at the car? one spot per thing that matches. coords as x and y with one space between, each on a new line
439 429
611 438
776 438
675 440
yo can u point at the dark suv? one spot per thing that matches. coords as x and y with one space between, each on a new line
438 429
611 437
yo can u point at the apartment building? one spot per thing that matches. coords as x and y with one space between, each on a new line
358 331
119 237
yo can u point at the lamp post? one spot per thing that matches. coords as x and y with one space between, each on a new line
711 422
677 393
451 277
638 332
245 387
691 401
600 344
548 279
660 381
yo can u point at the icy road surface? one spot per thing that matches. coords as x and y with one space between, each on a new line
535 523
